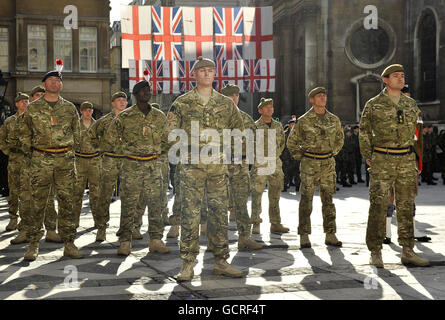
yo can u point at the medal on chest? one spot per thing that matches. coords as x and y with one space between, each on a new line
145 131
53 120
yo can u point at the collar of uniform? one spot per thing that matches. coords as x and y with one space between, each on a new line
403 98
93 121
61 100
262 123
197 97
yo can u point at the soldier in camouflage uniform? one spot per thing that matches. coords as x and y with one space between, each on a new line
239 181
428 156
211 110
18 176
142 203
387 128
111 162
316 139
51 129
141 133
274 180
87 165
50 210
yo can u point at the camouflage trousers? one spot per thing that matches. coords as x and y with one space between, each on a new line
388 172
175 218
19 200
195 180
239 189
275 183
111 169
317 173
57 170
87 169
140 179
142 203
50 212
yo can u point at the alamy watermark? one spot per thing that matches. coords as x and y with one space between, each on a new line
206 147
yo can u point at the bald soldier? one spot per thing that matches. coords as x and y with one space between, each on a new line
208 109
111 162
239 181
387 137
315 140
87 165
50 131
275 180
18 176
141 133
50 221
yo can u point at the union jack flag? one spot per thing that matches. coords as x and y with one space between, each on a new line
229 71
156 73
228 33
259 75
186 81
167 30
135 72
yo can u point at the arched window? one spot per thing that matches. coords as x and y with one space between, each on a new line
427 36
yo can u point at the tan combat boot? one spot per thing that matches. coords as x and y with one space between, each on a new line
232 216
53 236
278 228
221 267
101 234
21 238
33 251
304 241
204 229
157 245
12 225
71 251
173 232
125 248
376 259
409 257
248 243
135 234
186 273
331 240
256 228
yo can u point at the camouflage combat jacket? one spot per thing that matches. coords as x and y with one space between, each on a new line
85 144
9 138
47 127
314 135
386 124
219 113
138 134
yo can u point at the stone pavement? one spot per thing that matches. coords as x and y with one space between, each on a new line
280 271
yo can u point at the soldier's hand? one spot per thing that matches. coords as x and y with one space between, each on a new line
368 162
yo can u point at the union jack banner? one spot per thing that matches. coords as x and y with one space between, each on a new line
167 30
170 76
258 33
136 33
228 33
229 71
136 69
198 33
186 80
259 75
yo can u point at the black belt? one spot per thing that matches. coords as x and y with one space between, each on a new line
318 156
394 151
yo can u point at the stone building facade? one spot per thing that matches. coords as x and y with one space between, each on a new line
35 36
